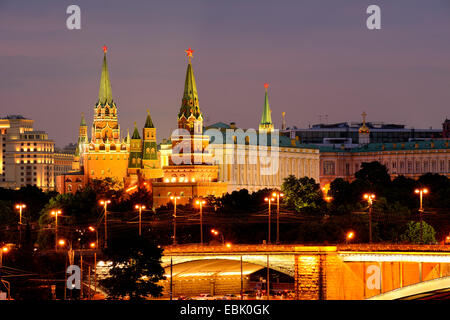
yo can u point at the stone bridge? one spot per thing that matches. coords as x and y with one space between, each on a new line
339 272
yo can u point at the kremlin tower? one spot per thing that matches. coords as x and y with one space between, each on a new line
190 172
105 155
266 119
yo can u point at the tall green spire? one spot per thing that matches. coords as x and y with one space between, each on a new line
135 133
189 103
105 94
266 119
148 121
83 121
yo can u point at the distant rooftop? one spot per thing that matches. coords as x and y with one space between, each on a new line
14 116
356 125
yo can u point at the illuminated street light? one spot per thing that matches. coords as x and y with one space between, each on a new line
350 236
278 195
174 199
5 249
20 207
92 229
56 213
421 192
370 197
269 200
228 245
216 233
105 203
200 203
140 208
92 245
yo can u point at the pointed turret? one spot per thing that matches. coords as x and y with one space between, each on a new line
135 159
148 121
105 93
189 104
266 119
135 133
83 121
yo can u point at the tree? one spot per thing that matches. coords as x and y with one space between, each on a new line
413 233
302 195
136 268
374 172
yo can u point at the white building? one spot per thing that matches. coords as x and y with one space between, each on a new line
26 156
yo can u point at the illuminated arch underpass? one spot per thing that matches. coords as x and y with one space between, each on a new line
221 276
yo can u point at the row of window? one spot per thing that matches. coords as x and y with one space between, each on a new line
409 166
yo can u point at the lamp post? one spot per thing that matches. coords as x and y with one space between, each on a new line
20 207
370 197
105 203
174 199
200 203
269 200
421 192
55 213
3 250
216 233
278 195
92 229
140 208
349 237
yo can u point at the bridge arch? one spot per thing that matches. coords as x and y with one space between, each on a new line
284 265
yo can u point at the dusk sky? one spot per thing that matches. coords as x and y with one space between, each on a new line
318 57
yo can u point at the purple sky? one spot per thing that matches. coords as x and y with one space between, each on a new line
318 57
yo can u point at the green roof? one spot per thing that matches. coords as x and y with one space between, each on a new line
83 121
266 115
104 93
399 146
189 103
148 121
135 133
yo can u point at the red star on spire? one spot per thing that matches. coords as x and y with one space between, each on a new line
105 48
266 85
189 52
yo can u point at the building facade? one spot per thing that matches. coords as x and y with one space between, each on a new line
411 159
27 156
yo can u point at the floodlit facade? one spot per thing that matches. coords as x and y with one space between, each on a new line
27 156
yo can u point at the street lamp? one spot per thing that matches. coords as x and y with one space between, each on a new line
4 249
421 192
174 199
105 203
200 203
278 195
92 229
55 213
350 236
370 197
269 200
20 207
216 233
140 208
